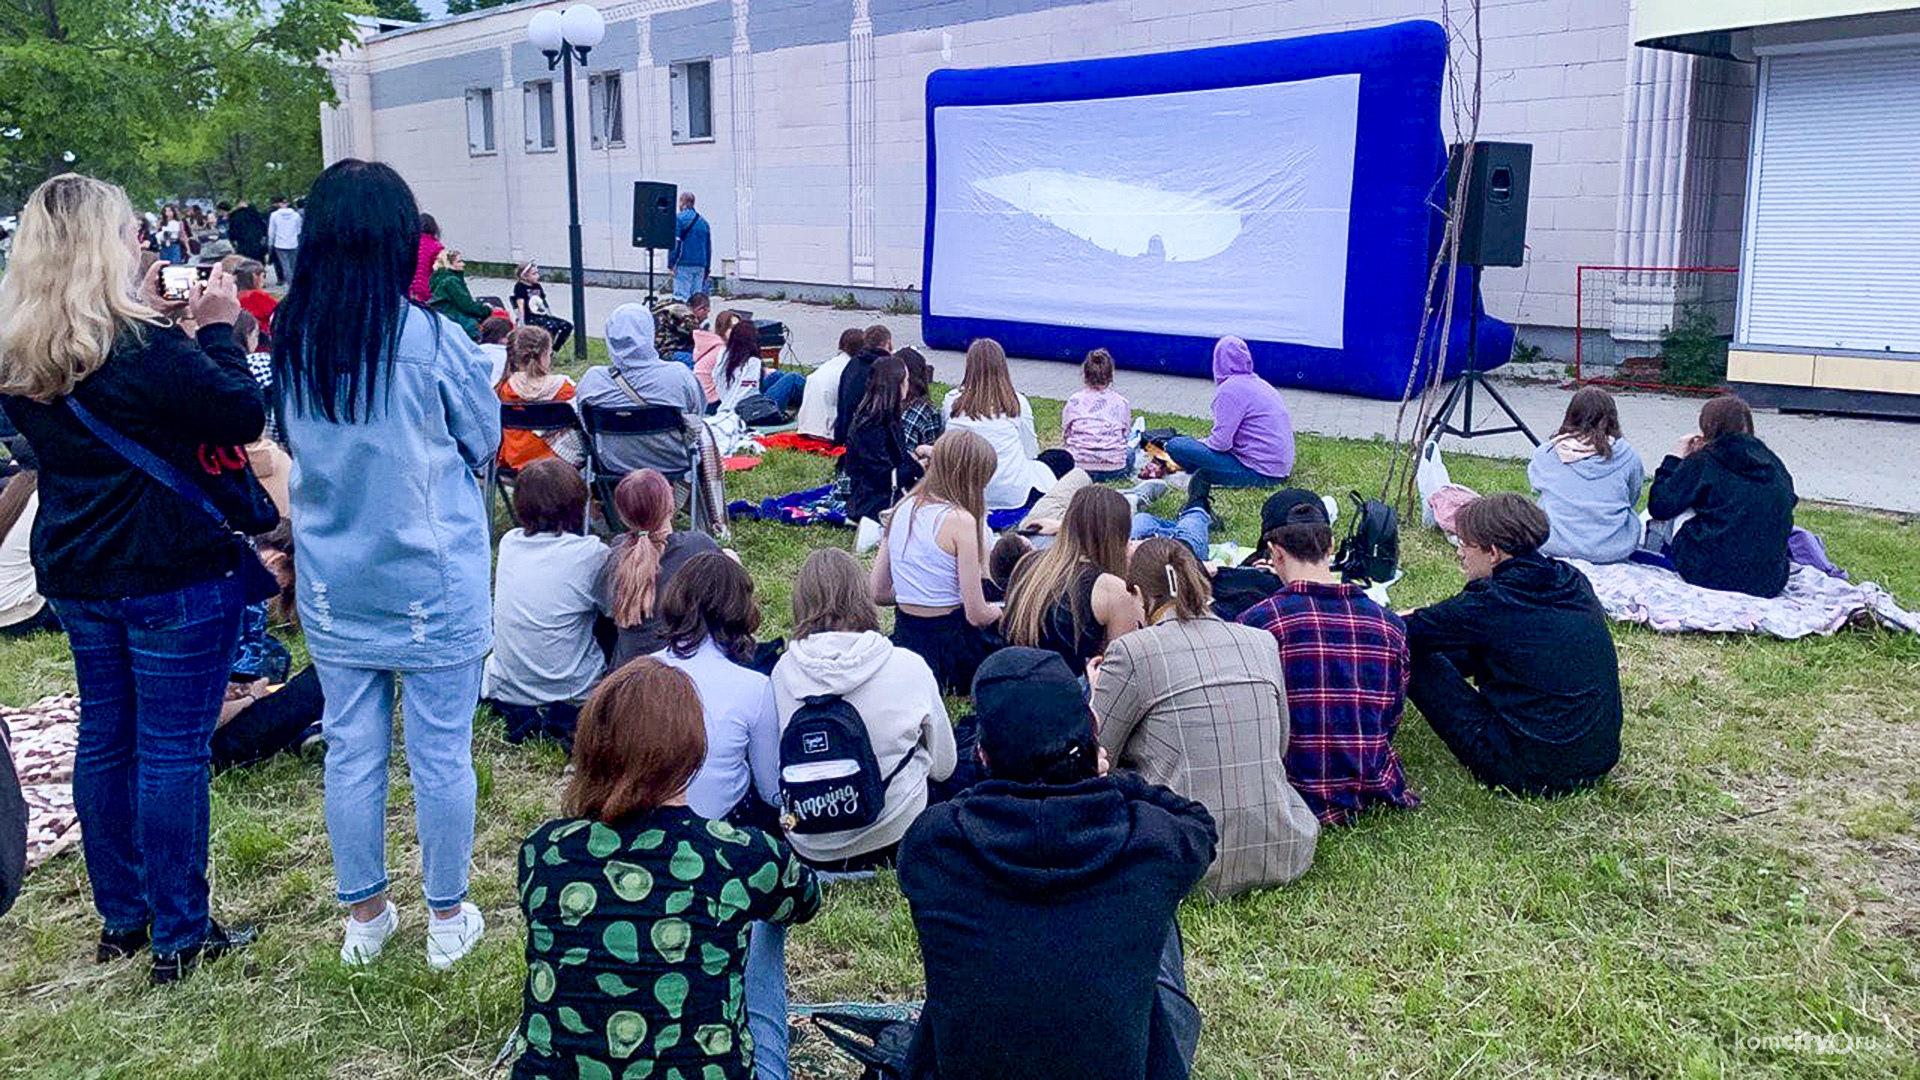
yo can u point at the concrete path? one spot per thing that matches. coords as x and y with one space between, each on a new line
1860 462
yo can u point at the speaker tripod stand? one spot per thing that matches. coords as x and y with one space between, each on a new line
1461 396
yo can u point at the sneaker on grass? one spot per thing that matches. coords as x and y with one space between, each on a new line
366 939
450 939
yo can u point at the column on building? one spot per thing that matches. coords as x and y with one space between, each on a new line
862 122
346 126
745 235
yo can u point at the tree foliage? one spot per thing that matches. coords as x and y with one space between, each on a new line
166 97
461 7
405 10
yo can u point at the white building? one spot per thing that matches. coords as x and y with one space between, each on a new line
801 126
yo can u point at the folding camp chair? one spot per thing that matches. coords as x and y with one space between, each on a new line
539 416
626 421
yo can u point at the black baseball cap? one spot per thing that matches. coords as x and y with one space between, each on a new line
1030 705
1280 504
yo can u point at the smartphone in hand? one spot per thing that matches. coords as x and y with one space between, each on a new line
176 282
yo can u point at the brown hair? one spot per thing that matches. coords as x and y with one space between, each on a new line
246 326
852 340
986 390
919 376
710 597
644 501
723 324
882 400
1097 369
1093 532
1008 553
1725 415
1592 418
743 344
1506 521
248 273
494 329
1163 571
877 337
549 496
13 498
957 473
526 347
1305 534
641 738
830 594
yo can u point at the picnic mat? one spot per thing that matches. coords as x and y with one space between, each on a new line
812 1057
739 464
813 506
44 736
806 444
1813 603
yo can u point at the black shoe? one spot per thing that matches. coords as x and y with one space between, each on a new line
1200 493
120 946
220 941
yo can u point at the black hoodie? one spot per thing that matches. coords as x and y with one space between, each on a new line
1742 500
853 387
1042 912
1535 639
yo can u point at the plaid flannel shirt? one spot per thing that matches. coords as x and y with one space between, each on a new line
1346 666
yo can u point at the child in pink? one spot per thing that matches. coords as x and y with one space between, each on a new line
1096 422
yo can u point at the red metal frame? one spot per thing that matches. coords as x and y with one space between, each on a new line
1579 327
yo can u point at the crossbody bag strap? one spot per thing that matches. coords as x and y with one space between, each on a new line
639 399
145 460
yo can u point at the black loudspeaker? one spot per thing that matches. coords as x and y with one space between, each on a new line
654 210
1493 229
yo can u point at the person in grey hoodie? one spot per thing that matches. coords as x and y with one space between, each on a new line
638 376
837 648
389 414
1588 479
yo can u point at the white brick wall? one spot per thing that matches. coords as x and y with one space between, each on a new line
1554 76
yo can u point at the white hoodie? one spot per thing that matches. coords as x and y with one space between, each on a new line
896 695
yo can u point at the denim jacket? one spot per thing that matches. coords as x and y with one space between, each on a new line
390 527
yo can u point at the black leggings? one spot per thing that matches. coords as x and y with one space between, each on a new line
949 644
1463 718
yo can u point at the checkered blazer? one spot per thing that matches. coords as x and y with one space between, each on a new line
1201 706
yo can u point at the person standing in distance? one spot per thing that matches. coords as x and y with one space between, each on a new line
692 250
283 235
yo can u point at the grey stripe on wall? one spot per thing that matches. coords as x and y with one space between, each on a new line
787 24
434 80
901 16
619 49
694 32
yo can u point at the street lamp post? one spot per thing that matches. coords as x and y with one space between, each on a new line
562 35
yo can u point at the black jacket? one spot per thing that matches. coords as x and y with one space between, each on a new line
1042 912
1535 639
879 467
105 530
1742 501
247 229
853 387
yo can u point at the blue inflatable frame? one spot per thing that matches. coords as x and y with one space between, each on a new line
1399 176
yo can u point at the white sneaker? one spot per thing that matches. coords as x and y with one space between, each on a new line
366 939
450 939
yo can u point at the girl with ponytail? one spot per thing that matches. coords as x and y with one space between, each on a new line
644 560
530 377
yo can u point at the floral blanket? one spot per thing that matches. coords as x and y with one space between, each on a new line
1813 603
44 736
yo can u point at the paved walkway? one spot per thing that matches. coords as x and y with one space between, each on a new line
1860 462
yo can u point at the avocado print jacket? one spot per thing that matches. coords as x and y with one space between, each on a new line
637 944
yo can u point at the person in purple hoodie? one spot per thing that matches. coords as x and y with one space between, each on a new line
1252 440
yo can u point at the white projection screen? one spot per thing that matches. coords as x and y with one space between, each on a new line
1190 213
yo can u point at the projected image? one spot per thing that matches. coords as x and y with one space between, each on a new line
1194 213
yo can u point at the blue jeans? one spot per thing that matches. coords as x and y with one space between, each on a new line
437 711
152 673
1222 468
1122 473
766 987
1190 528
688 280
783 388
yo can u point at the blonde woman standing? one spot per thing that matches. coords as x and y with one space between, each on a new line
146 582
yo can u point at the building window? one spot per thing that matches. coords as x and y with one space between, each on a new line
480 121
538 97
692 100
605 110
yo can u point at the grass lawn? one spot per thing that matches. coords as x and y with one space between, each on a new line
1749 872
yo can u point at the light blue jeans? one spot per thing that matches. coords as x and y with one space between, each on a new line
437 713
1190 528
767 1000
688 280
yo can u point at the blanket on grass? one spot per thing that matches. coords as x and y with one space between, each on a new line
806 444
813 506
1813 603
44 736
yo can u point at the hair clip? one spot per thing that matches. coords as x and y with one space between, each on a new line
1173 584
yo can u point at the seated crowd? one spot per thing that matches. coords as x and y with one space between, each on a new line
1126 735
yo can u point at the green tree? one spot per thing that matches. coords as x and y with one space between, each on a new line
405 10
147 92
461 7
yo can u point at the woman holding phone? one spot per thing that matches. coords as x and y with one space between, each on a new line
146 583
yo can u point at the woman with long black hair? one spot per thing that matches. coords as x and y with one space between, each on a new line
388 411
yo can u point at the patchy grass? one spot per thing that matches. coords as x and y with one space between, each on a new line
1749 872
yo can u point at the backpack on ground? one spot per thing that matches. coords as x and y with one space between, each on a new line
829 779
1370 552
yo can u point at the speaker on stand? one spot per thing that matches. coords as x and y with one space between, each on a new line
655 208
1493 232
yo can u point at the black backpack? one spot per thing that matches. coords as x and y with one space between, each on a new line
829 779
1371 551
